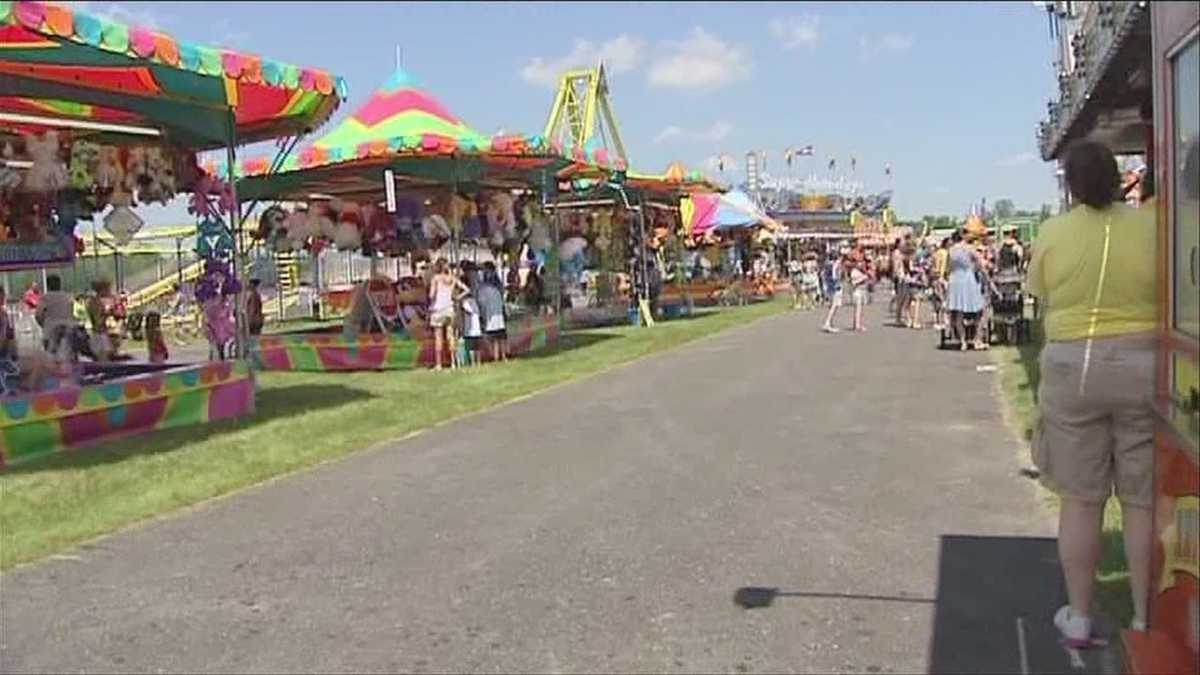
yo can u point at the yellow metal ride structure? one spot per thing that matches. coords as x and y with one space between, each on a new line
582 114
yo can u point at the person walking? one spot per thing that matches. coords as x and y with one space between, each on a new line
938 283
964 296
900 275
1094 268
859 279
833 282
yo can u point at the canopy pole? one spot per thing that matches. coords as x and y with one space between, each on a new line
235 224
644 291
285 149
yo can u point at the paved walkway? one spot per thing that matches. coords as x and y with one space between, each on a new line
605 526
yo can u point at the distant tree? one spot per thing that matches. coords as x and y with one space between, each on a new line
1045 213
1003 209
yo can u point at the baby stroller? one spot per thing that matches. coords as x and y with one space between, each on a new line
1009 325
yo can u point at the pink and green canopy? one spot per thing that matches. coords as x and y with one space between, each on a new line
402 110
401 126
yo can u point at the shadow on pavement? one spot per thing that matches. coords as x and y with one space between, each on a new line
755 597
994 609
996 600
270 404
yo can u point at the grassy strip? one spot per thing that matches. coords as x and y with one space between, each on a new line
303 419
1019 377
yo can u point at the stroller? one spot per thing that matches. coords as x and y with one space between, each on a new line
1009 325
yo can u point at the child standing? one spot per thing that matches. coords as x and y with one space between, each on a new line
155 344
472 328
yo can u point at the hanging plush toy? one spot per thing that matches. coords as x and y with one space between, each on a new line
159 179
321 222
109 172
380 230
85 159
435 228
136 178
539 232
502 220
47 173
210 198
457 210
295 232
347 234
270 224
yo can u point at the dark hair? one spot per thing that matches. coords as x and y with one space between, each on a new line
153 320
53 283
1092 174
957 236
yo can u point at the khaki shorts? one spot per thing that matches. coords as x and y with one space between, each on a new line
1089 445
441 318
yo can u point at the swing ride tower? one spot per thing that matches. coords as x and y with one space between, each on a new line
582 114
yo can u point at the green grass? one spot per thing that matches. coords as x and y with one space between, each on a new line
302 419
1019 377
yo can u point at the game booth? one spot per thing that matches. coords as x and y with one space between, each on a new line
623 244
96 119
730 248
403 177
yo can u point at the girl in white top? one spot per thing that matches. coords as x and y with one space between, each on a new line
441 312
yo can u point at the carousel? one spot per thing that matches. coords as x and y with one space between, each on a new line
97 119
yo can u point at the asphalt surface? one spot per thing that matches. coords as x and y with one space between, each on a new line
605 526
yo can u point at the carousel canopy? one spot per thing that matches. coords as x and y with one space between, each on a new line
58 62
401 127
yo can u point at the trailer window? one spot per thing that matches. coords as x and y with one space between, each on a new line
1186 192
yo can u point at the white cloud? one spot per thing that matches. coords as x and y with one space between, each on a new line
888 43
1019 159
225 34
620 54
699 61
717 132
794 32
136 14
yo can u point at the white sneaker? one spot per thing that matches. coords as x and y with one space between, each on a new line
1138 625
1076 630
830 329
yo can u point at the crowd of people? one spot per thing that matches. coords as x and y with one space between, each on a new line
467 312
947 285
463 308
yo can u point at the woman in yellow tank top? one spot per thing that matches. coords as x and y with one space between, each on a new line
1093 268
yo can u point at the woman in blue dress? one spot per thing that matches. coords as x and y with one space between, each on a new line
964 295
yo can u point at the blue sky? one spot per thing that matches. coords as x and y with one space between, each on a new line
949 94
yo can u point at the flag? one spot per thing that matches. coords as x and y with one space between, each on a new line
832 163
805 151
853 163
887 169
787 157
